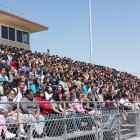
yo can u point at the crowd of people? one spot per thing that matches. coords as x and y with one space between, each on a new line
29 78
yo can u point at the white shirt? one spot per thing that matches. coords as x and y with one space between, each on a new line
48 96
18 96
124 101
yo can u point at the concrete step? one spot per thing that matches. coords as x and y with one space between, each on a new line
125 130
128 125
129 135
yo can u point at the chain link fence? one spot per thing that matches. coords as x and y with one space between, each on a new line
107 124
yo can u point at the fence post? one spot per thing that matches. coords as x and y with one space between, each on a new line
96 122
18 121
137 123
119 127
65 125
101 132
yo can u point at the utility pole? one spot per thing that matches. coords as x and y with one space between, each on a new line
90 32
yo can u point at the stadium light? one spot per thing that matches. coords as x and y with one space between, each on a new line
90 32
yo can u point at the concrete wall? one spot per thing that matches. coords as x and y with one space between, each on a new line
14 44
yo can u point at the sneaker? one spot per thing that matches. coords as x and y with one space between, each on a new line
77 131
23 135
83 123
93 129
31 138
9 135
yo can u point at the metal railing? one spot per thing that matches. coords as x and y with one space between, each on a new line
98 124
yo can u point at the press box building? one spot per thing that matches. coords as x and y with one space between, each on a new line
15 30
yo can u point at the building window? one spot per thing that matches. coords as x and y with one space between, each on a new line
25 38
4 31
19 36
11 34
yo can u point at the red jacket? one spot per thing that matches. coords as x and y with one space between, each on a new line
45 108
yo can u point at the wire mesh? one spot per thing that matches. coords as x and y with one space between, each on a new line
102 125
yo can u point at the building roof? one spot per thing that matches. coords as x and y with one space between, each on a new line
20 22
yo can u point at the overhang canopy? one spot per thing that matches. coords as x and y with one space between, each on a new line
21 23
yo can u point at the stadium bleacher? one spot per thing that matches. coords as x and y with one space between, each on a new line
33 77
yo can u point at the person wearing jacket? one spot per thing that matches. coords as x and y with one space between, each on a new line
31 111
10 112
35 86
45 108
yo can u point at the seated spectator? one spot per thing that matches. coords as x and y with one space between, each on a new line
6 87
84 88
56 97
53 80
69 111
76 105
3 74
12 73
45 108
64 84
7 134
90 105
125 102
58 93
46 82
39 72
3 64
14 63
49 92
19 91
31 74
10 113
31 112
110 103
35 86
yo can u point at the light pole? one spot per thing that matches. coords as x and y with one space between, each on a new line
90 32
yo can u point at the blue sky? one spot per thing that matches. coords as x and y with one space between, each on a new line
115 23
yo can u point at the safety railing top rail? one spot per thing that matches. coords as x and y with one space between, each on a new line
11 102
